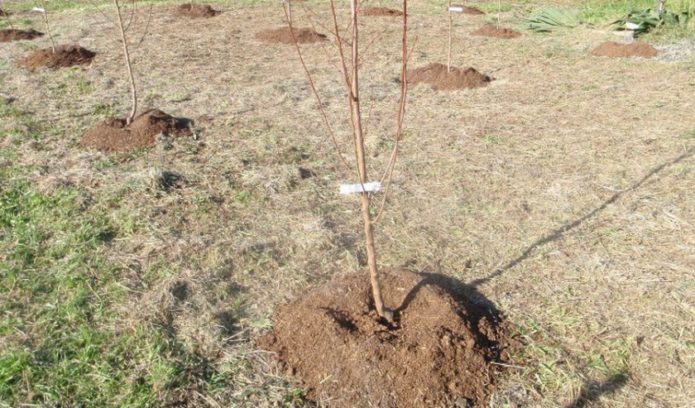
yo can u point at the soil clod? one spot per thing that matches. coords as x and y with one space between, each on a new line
436 74
489 30
12 34
113 135
440 351
618 50
194 10
63 57
284 36
380 11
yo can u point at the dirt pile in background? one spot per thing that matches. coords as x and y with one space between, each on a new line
113 135
436 75
492 31
438 354
64 56
380 11
195 10
472 11
618 50
284 36
12 34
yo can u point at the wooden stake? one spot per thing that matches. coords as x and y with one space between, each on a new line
448 55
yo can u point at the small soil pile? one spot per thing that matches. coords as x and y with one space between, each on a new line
492 31
113 135
439 354
193 10
64 56
12 34
618 50
436 75
380 11
284 36
471 11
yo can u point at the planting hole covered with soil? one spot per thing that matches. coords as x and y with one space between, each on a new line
441 80
381 11
12 34
439 352
284 36
618 50
113 135
492 31
63 57
196 10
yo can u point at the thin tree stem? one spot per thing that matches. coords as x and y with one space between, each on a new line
48 27
448 55
126 55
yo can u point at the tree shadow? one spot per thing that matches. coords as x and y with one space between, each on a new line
558 233
592 390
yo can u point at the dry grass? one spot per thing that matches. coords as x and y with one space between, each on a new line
562 191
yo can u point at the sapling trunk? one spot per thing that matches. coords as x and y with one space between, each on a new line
126 56
448 55
660 6
44 13
499 11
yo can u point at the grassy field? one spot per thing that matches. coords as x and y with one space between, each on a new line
562 192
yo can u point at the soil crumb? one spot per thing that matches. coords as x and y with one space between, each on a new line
618 50
436 75
113 135
440 353
195 10
284 36
64 56
492 31
12 34
381 11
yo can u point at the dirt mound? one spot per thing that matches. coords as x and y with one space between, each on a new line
438 354
284 36
12 34
65 56
113 135
380 11
492 31
195 10
618 50
436 75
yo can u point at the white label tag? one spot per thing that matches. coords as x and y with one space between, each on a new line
38 9
372 187
456 9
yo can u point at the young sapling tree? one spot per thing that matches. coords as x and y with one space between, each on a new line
349 68
128 64
44 13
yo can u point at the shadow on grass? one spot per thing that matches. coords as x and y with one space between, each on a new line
561 231
592 390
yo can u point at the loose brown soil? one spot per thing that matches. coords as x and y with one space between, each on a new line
64 56
12 34
436 75
113 135
381 11
618 50
284 36
472 11
439 353
492 31
193 10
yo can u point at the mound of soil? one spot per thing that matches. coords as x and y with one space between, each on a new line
436 75
439 353
64 56
618 50
196 10
12 34
284 36
380 11
113 135
492 31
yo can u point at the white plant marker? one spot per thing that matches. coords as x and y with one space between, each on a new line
456 9
630 31
371 187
